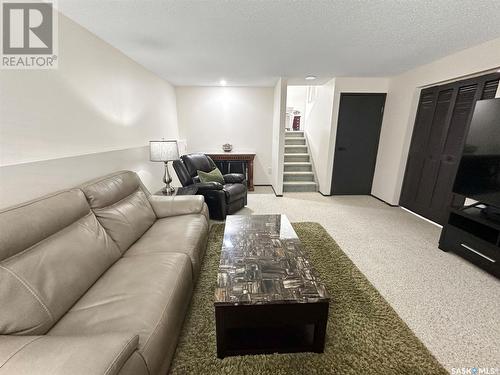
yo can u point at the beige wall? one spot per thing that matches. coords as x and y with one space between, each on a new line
243 116
318 131
278 135
400 110
22 182
97 101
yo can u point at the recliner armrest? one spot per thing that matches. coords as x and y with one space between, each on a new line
205 186
62 355
232 178
166 206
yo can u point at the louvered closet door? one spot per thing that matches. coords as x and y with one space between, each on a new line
441 124
416 155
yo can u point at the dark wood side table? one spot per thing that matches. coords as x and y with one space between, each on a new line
241 157
183 190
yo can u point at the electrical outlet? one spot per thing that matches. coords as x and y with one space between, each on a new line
269 170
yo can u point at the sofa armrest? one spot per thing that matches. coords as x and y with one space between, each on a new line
61 355
232 178
165 206
206 186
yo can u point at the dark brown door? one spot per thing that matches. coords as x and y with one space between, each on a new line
441 124
356 144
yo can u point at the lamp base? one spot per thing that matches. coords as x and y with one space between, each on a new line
168 190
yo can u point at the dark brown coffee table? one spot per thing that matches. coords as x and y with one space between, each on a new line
268 298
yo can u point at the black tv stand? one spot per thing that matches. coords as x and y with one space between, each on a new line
491 213
471 233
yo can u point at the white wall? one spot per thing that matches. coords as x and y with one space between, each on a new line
348 85
401 105
243 116
318 128
97 101
296 97
278 135
22 182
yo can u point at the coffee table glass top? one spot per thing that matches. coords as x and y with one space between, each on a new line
262 262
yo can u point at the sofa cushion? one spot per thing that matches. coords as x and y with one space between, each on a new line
167 206
212 176
177 234
121 205
146 294
135 365
26 224
51 355
49 264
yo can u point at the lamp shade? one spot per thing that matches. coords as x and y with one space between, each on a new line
163 150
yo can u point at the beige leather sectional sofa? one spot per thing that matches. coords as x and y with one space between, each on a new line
97 279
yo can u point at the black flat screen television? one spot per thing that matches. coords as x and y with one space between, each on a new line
478 175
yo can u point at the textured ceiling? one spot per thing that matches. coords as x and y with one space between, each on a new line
255 42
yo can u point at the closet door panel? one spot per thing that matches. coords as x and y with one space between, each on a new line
416 155
441 126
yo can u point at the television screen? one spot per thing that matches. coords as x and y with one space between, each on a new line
478 175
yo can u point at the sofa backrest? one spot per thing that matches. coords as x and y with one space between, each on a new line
182 173
121 204
198 162
52 250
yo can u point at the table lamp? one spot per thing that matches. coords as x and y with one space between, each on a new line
164 151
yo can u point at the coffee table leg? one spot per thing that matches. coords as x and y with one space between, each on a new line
220 332
320 329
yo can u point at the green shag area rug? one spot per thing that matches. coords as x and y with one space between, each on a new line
364 334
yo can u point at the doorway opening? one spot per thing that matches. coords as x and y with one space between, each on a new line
298 175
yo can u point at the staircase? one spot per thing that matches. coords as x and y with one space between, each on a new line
298 175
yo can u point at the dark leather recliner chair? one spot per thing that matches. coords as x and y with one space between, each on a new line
222 199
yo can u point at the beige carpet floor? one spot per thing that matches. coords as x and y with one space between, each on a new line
451 305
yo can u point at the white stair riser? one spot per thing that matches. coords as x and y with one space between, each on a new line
298 168
295 141
297 158
295 149
298 177
298 188
294 134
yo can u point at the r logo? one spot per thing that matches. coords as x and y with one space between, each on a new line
27 28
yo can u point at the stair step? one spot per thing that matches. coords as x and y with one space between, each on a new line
295 141
298 167
298 176
295 149
299 186
291 134
296 158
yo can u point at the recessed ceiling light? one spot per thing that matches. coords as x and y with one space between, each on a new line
310 78
223 82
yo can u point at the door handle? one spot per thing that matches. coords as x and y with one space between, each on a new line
341 149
